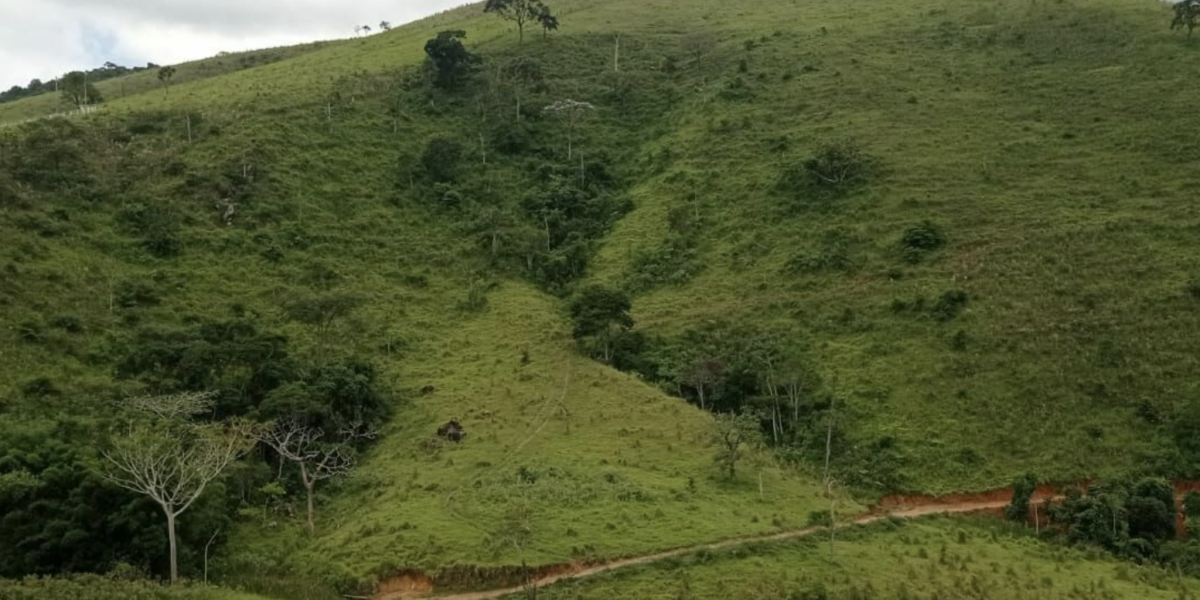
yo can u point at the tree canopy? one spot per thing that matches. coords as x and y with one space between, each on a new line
523 12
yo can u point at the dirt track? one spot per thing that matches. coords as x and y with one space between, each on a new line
933 507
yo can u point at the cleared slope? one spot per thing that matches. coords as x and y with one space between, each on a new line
934 558
564 460
147 81
1047 141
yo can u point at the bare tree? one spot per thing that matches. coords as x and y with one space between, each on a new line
703 375
172 407
174 465
318 460
519 74
572 112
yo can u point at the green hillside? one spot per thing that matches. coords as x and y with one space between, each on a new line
146 81
928 246
930 559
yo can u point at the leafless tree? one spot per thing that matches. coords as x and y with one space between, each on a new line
318 460
572 112
173 465
703 375
182 406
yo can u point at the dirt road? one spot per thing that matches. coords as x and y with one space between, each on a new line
581 571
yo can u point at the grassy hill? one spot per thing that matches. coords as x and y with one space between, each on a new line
935 558
1005 285
146 82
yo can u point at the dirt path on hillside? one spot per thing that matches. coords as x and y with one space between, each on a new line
578 571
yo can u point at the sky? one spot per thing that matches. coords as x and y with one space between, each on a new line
46 38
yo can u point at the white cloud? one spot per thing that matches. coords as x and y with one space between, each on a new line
45 38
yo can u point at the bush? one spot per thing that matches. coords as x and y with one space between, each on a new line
672 263
1023 490
921 239
837 169
1193 289
441 159
949 305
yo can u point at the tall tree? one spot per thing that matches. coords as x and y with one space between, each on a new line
77 90
1187 14
522 12
173 462
703 375
572 113
385 25
518 75
318 459
548 21
165 74
601 316
450 59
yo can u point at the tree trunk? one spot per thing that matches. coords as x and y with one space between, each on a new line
308 489
172 545
700 389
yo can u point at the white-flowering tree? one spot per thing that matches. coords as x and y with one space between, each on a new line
172 463
572 113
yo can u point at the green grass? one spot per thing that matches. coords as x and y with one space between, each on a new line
1050 141
147 83
1010 124
619 468
92 587
930 558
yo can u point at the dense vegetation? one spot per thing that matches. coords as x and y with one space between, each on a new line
37 86
896 278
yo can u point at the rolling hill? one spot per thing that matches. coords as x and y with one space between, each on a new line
965 232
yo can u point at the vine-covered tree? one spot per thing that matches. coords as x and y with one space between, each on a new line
450 59
601 316
78 91
523 12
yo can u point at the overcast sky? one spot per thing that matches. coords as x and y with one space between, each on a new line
45 38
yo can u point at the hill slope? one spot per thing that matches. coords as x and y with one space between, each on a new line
1002 286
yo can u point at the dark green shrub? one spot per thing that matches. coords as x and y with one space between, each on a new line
67 323
30 331
1023 490
949 305
41 387
920 240
832 254
673 263
1152 510
441 159
837 169
1193 289
135 294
